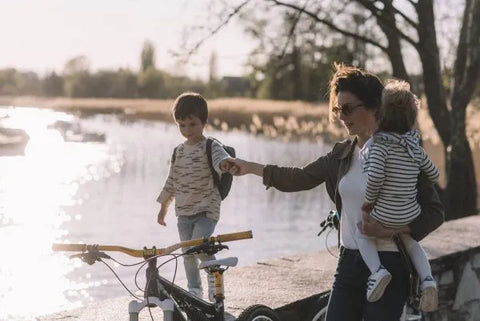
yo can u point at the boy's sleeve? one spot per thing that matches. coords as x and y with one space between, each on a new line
429 168
376 172
168 191
218 155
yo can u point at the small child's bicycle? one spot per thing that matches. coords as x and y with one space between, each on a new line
178 304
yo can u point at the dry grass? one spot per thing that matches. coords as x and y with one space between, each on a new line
278 119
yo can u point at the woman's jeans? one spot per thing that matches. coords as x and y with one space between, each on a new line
189 228
348 300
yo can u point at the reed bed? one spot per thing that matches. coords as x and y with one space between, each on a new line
286 120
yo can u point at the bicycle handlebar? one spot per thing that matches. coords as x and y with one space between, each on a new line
153 251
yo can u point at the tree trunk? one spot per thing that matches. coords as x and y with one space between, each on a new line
432 75
394 50
461 192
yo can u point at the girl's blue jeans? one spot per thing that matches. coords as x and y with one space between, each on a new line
189 228
348 300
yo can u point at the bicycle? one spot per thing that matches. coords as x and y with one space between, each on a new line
178 304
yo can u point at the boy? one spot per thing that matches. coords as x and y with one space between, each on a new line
190 182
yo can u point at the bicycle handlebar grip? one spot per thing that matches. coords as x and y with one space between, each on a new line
235 236
69 247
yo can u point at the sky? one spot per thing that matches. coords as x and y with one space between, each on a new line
42 35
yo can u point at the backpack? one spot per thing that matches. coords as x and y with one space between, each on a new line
224 181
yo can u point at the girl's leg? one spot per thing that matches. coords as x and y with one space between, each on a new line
368 250
390 306
185 226
379 277
429 298
418 256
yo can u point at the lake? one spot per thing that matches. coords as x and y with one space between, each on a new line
104 193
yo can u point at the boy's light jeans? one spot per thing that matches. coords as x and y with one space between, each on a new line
194 227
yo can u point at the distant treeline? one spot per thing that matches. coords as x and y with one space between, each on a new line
121 83
296 75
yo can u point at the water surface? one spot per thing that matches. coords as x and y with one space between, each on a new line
104 193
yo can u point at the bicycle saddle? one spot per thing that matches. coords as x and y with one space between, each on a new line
228 261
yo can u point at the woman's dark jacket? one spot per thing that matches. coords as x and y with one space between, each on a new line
329 169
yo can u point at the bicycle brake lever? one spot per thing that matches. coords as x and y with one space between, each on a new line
90 257
207 247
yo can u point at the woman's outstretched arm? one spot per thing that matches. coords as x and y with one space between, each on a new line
241 167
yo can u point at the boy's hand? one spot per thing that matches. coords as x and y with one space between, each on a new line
161 216
161 221
237 166
225 165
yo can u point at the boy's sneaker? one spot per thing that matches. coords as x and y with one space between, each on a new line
429 298
377 283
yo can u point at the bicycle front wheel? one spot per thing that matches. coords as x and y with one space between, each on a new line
258 312
318 311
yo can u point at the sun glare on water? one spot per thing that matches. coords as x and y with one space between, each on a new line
34 190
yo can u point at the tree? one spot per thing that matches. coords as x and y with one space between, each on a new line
293 61
147 57
76 77
52 85
214 87
409 22
150 83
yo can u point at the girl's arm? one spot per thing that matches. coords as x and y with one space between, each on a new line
429 168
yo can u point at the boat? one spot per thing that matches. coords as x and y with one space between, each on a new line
71 131
13 141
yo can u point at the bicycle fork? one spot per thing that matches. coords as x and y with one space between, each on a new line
155 295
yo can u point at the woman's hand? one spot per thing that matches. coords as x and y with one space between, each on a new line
373 228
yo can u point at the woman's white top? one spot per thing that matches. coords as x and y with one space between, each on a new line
352 191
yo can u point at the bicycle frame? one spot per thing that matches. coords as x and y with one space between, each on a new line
171 298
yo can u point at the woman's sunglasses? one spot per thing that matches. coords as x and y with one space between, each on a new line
345 109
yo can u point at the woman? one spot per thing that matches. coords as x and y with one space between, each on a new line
355 97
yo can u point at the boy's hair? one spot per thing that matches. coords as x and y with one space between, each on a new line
188 104
364 85
399 108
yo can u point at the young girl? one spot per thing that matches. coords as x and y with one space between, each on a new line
393 161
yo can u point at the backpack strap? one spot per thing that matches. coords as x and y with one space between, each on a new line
216 179
174 155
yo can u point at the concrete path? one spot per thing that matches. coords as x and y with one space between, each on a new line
283 280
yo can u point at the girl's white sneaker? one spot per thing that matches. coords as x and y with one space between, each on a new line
429 298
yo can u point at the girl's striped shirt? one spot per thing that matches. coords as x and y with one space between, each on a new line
393 164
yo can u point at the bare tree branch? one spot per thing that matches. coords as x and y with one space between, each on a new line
292 29
413 3
414 24
385 20
330 24
232 14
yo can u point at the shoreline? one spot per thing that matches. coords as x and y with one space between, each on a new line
288 120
